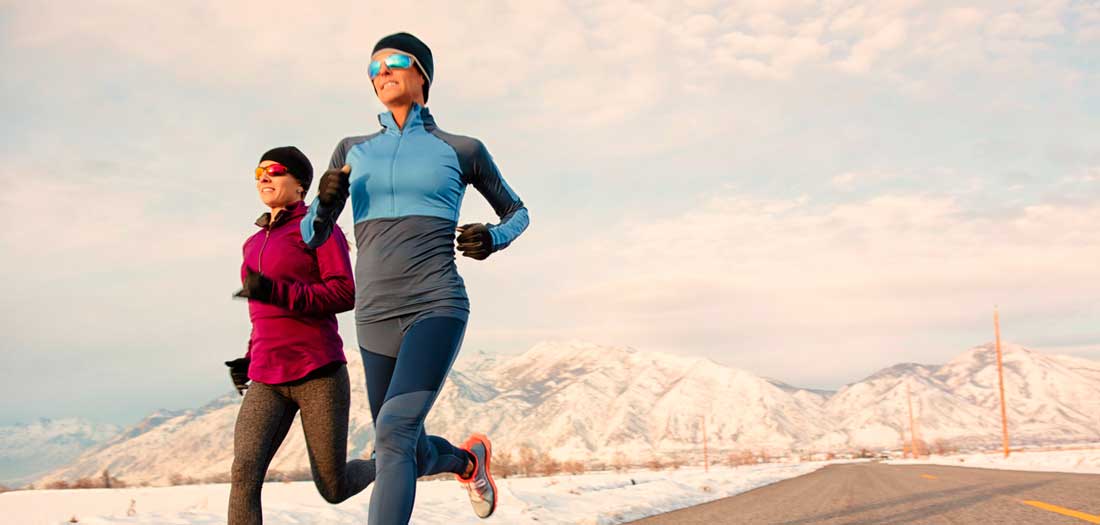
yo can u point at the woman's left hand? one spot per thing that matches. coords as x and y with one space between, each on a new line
475 241
238 372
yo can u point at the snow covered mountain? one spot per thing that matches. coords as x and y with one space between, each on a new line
1050 399
30 450
573 400
577 400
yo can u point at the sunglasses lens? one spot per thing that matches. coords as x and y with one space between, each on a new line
394 61
398 61
274 170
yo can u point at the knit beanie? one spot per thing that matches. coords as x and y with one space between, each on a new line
295 161
407 43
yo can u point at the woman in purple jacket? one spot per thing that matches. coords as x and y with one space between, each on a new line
295 357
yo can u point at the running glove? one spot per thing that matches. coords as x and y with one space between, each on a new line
238 372
475 241
256 287
334 188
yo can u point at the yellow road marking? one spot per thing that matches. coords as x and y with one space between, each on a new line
928 476
1062 510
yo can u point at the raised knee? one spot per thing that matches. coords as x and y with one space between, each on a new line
398 424
396 433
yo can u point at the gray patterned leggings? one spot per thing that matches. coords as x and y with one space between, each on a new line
266 414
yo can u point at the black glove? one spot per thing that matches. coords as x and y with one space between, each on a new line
334 187
256 287
238 372
475 241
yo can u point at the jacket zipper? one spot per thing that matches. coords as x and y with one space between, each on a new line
393 177
260 263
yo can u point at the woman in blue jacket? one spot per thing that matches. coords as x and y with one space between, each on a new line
406 183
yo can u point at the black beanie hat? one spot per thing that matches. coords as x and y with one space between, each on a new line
295 161
415 47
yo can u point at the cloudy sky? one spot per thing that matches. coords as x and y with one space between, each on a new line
809 190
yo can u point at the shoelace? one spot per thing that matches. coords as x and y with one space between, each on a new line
478 488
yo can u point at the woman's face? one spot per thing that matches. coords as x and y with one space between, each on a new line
398 87
278 191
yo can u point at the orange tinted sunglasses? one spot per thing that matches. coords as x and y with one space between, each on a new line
274 170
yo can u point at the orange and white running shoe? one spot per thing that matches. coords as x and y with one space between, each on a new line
480 485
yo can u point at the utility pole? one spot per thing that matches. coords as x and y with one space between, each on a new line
706 458
912 422
1001 378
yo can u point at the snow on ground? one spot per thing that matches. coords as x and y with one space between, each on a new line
1081 461
603 498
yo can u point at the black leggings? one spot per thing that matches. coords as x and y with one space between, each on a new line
262 423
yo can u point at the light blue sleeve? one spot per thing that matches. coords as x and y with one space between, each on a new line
317 225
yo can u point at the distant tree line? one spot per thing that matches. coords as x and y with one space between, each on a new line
103 481
526 461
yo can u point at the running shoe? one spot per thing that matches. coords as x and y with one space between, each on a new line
480 485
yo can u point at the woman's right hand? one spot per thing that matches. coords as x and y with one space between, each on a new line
256 286
334 187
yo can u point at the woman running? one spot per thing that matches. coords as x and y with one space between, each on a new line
295 357
406 183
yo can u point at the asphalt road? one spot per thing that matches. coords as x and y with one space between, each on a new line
872 493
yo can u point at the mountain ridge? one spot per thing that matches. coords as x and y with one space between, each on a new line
579 400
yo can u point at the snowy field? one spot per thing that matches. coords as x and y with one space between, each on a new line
587 499
1077 461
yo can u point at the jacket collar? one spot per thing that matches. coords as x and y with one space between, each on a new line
294 210
419 118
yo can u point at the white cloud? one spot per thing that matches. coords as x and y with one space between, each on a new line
1040 22
694 93
849 179
1086 176
864 54
789 275
1088 22
699 25
110 224
488 50
844 179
